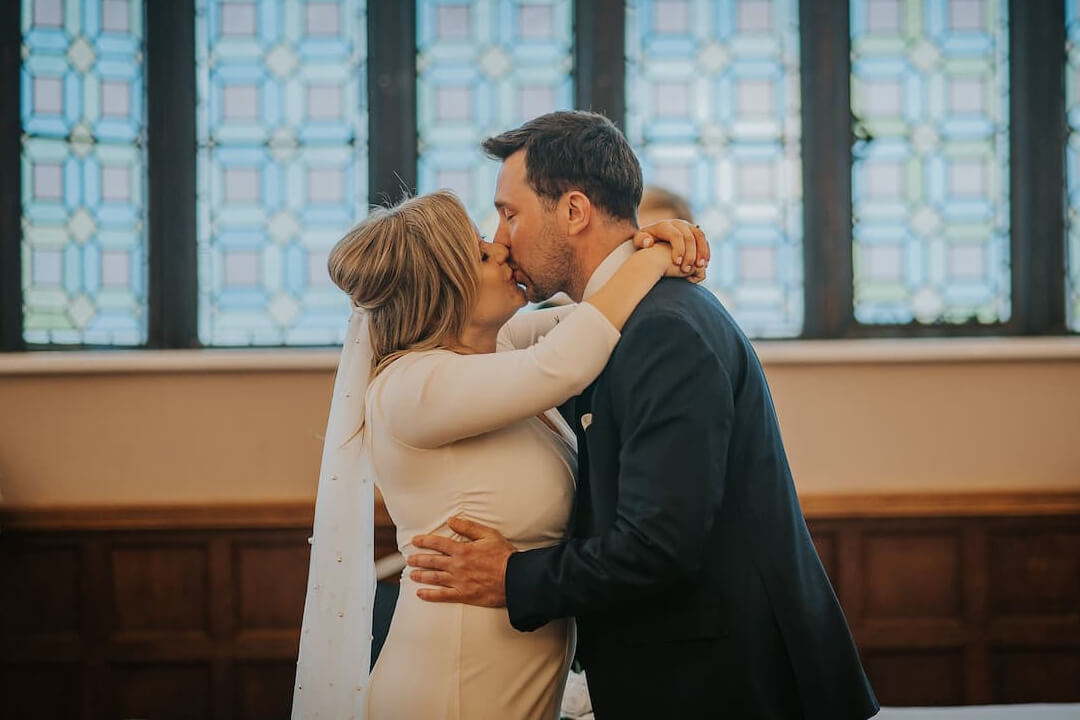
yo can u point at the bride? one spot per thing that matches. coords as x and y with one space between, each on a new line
425 407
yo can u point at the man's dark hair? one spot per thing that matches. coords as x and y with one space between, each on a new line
575 150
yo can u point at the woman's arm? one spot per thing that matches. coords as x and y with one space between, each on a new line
431 399
526 328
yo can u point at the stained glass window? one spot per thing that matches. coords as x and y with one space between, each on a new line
282 165
713 112
83 172
1072 162
931 188
484 67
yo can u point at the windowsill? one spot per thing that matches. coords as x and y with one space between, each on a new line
772 352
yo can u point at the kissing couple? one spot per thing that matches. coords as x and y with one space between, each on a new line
604 480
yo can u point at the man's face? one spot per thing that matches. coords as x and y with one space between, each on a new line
540 253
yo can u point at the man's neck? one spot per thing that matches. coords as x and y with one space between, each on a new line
592 252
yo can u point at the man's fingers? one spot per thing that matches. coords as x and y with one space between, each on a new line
439 595
432 577
438 543
470 529
430 562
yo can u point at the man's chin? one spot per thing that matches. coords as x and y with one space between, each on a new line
536 294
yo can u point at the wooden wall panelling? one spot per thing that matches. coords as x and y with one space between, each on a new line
1035 675
264 689
916 676
160 690
96 593
182 614
976 573
221 611
1033 603
41 690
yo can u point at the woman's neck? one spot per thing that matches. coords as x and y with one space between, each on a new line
478 339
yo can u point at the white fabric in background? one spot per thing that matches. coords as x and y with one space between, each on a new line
335 638
984 712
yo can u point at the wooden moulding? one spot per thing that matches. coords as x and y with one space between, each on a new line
263 515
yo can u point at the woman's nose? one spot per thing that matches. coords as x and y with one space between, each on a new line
499 252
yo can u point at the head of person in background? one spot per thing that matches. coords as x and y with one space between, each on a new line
659 203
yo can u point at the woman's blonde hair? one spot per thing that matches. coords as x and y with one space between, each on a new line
415 267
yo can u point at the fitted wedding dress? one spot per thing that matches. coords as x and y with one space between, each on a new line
458 434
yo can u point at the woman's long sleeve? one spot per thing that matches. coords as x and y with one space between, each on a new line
433 398
526 328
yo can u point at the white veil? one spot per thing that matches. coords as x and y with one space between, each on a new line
335 638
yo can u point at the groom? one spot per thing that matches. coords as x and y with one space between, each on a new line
689 568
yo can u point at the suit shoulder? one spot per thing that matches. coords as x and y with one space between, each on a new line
678 310
681 300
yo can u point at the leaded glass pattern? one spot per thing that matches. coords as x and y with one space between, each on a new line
484 67
713 113
930 190
282 165
83 172
1072 163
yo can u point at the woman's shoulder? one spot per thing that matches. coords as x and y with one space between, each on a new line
406 364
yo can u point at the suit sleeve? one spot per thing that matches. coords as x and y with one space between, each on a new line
674 404
430 399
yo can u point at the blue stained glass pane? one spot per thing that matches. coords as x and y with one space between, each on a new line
713 113
930 190
83 172
484 67
282 165
1072 162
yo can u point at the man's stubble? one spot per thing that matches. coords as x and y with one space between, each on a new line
555 268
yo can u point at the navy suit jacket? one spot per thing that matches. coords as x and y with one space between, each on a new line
686 526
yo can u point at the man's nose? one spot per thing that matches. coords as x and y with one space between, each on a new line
501 236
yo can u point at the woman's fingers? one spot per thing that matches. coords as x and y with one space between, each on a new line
704 251
642 240
668 231
689 261
689 246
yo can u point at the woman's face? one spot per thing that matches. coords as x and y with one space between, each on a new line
500 297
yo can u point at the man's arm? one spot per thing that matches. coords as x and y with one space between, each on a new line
675 405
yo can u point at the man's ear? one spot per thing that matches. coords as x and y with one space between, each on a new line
578 212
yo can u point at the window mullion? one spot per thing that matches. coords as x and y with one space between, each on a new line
11 296
170 93
825 42
392 134
600 58
1037 150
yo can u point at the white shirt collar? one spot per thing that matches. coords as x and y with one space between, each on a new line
607 269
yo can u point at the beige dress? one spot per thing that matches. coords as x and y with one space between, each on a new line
458 434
